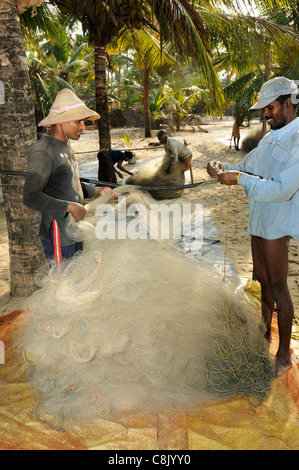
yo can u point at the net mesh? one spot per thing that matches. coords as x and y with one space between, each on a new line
137 325
152 173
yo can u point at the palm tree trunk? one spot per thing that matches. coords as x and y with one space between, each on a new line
100 63
17 134
147 119
267 71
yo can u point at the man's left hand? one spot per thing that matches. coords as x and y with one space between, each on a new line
228 178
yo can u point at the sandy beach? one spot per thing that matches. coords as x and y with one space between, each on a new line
229 209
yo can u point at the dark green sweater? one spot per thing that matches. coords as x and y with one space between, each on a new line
52 181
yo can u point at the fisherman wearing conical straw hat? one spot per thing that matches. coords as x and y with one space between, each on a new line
52 184
66 108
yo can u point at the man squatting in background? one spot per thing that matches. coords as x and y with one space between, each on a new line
175 150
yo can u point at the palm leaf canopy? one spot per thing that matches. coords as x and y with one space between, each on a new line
196 28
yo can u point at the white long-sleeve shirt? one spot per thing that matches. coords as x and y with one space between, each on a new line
270 176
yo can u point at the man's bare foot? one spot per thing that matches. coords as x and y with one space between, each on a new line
282 365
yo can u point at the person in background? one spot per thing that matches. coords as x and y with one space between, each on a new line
175 150
236 132
107 159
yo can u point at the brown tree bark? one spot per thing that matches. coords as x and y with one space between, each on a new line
147 117
17 134
100 64
267 71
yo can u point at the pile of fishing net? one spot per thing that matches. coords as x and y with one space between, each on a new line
136 325
153 173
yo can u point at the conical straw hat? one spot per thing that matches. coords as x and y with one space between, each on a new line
68 107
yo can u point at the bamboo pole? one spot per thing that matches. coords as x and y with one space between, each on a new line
126 150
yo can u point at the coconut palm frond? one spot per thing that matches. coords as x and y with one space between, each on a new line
41 20
242 83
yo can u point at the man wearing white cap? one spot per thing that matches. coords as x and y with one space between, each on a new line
270 176
52 184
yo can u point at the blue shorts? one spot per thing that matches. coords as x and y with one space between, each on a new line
67 251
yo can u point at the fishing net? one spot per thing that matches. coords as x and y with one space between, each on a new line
153 173
135 324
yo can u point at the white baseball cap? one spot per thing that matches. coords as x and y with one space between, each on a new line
274 88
